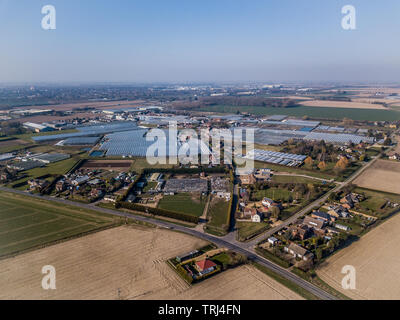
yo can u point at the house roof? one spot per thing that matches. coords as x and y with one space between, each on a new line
321 214
297 249
316 223
205 264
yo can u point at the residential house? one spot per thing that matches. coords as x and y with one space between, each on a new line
249 212
247 179
60 186
342 227
314 223
273 241
257 216
298 252
301 232
205 266
322 216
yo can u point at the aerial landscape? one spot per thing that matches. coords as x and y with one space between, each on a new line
229 174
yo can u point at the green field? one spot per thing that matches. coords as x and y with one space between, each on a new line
27 223
275 194
294 179
141 163
247 230
183 203
218 213
312 112
375 201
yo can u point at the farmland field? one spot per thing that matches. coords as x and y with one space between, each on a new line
185 203
27 222
314 112
341 104
116 165
375 260
128 263
275 194
383 175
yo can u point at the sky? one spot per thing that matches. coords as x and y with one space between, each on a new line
199 41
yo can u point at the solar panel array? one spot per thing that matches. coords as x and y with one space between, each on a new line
286 159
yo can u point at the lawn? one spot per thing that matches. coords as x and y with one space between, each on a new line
247 230
275 194
218 213
294 179
313 112
184 203
295 170
150 185
141 163
27 222
375 201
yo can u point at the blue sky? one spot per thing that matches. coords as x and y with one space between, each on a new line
218 40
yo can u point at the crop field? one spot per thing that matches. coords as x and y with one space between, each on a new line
26 223
313 112
248 229
375 260
185 203
341 104
128 262
383 175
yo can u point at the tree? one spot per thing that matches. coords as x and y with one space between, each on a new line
275 212
309 161
322 165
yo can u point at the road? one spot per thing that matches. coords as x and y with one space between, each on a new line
238 247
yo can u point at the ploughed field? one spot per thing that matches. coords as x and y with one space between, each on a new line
127 262
376 262
383 175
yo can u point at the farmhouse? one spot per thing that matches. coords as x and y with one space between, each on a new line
314 223
301 232
322 216
247 179
272 240
205 266
298 252
257 216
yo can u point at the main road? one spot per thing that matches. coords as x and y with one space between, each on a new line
238 247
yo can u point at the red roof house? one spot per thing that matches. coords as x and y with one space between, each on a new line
205 265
